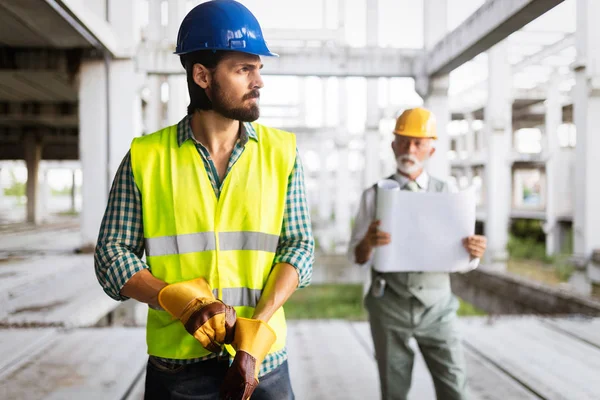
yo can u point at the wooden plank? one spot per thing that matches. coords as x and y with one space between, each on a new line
327 361
84 363
586 329
548 362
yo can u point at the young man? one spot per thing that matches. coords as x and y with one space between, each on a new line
217 203
402 305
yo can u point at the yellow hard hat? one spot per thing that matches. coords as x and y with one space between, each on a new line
416 122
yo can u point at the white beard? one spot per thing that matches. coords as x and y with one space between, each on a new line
407 168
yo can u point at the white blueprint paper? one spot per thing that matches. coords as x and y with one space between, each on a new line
427 229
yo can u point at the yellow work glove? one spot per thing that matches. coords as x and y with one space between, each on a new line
209 320
252 341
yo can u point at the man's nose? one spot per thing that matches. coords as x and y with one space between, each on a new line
412 147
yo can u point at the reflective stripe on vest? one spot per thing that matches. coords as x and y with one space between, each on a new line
205 241
235 297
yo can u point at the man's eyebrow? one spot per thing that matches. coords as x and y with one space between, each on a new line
249 65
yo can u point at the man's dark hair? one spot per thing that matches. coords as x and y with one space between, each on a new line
210 59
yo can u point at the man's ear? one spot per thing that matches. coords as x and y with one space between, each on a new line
202 76
431 151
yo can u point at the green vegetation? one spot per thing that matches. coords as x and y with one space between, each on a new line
527 250
16 188
329 301
340 301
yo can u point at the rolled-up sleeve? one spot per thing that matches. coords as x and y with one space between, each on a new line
296 242
120 244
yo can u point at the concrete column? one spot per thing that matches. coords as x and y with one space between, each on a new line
155 32
123 20
469 147
342 183
73 191
1 190
178 93
470 136
177 12
435 27
154 107
93 125
372 171
372 137
33 155
45 194
325 205
179 99
125 110
552 121
498 128
587 121
302 103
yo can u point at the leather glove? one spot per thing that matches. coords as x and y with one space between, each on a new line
209 320
252 341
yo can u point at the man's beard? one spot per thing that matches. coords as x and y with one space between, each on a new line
407 168
221 104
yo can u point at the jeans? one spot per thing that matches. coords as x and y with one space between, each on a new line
202 381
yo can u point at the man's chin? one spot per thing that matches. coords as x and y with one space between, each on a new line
409 169
249 114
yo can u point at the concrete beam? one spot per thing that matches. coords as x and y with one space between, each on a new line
315 61
545 52
491 23
57 143
93 28
458 99
498 128
26 23
52 114
304 35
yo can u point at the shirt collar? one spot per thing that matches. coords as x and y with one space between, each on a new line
184 131
422 180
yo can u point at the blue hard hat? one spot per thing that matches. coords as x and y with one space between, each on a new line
221 25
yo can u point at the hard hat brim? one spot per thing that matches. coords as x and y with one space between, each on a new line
418 135
267 53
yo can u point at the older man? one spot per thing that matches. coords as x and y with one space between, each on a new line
402 305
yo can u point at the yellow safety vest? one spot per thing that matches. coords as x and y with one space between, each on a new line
189 233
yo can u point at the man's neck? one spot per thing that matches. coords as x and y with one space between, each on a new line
214 131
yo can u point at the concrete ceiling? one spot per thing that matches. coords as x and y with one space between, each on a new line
34 23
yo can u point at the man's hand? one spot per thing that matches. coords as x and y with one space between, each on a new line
253 339
373 238
209 320
475 245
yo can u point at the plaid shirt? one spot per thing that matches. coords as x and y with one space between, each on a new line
120 246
